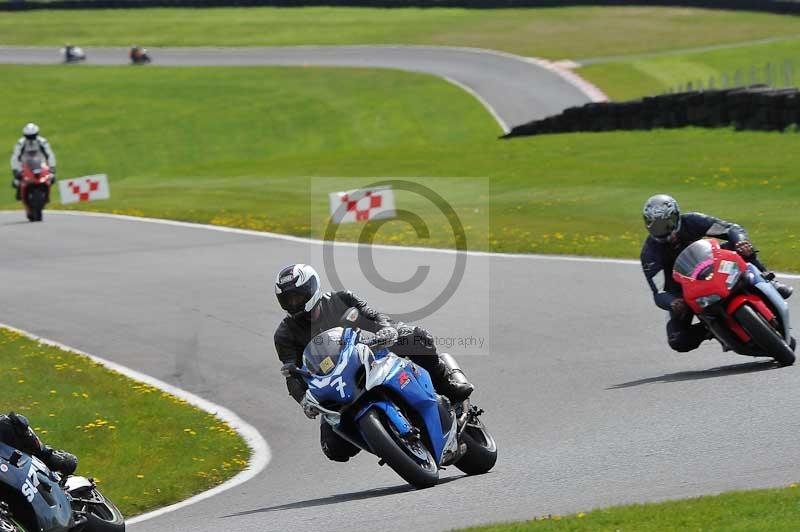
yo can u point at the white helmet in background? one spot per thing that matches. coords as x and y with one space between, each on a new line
30 131
298 289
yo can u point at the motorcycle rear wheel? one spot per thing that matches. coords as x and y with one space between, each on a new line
392 450
764 335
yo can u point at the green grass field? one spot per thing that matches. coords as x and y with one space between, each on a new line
553 33
773 510
123 432
240 151
639 76
556 33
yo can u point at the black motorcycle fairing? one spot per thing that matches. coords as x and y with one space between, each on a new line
32 493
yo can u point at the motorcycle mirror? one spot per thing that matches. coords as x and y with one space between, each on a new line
350 315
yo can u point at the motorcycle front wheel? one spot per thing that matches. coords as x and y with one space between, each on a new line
36 201
410 459
9 524
764 335
481 449
101 514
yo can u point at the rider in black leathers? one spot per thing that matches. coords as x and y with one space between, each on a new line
670 233
16 432
311 312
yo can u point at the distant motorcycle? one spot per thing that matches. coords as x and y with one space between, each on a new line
35 184
73 54
387 406
139 56
735 301
35 499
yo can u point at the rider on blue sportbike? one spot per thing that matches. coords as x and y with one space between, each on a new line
310 312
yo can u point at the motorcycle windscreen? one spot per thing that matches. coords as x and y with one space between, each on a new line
322 353
696 261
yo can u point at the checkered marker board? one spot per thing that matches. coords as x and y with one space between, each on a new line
361 205
89 188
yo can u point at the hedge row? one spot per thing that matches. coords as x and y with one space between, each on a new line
773 6
757 108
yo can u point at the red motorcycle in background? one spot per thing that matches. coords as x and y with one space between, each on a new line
35 187
735 301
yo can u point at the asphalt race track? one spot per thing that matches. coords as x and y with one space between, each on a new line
588 404
517 89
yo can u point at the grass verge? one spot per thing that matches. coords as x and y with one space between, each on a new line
146 448
758 510
634 77
555 33
241 151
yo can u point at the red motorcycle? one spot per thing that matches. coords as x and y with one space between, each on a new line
35 187
735 301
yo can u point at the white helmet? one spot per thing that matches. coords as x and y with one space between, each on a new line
297 288
30 130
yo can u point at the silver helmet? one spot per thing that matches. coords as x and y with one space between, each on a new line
662 216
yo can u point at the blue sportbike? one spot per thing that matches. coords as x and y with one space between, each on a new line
386 405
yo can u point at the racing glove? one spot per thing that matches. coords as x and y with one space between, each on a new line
679 307
308 409
286 369
61 461
386 336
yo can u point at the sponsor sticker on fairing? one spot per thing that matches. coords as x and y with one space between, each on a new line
326 365
727 266
404 379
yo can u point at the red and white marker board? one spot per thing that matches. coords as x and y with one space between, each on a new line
82 189
362 204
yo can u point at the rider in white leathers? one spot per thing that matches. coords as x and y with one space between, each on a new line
31 144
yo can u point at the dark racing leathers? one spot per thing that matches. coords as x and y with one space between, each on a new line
15 432
293 335
659 257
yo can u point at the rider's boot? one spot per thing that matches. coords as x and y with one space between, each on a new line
449 379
